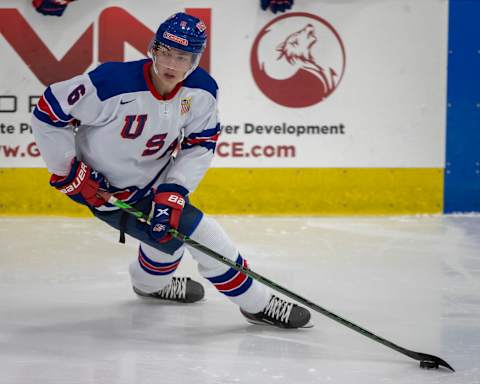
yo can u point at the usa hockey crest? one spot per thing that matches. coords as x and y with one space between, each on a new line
185 105
201 26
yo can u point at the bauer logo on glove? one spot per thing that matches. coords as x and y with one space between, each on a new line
174 198
81 184
77 182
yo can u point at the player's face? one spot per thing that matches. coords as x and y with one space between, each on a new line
172 64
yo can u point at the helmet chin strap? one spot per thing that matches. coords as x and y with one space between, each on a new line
194 66
198 56
151 55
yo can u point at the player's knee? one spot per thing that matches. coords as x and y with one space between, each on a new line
209 233
190 219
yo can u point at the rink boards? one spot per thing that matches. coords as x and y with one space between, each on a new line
262 191
360 128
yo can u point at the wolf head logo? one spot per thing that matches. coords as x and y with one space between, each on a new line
298 45
297 50
311 78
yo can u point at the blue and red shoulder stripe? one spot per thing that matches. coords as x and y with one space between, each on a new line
207 138
49 111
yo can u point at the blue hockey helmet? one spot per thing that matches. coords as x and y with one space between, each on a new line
184 32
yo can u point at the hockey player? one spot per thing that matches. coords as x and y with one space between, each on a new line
146 131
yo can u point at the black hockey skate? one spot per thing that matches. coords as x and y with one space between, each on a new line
180 290
280 313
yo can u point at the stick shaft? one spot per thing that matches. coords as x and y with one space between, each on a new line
271 284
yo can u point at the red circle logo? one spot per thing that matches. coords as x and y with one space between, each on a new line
298 60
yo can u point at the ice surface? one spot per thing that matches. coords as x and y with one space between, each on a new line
68 315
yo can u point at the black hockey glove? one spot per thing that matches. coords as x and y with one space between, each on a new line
51 7
276 5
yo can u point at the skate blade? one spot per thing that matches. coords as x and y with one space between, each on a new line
308 325
167 301
159 300
265 324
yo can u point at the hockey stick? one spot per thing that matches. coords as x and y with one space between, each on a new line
426 360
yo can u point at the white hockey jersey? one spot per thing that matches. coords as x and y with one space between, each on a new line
126 130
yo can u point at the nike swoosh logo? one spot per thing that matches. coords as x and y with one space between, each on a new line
126 102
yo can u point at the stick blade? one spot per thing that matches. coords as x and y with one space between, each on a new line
426 359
